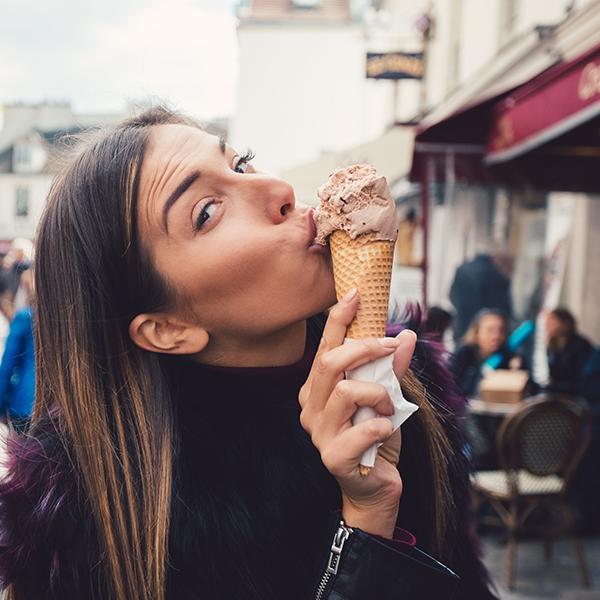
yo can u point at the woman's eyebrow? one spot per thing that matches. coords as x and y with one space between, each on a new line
177 192
222 144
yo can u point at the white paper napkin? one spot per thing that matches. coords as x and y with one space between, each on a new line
380 371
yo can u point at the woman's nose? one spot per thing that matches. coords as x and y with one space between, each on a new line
274 196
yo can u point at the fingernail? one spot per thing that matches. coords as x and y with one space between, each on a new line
350 295
404 333
390 342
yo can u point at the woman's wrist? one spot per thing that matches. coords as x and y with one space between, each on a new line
375 520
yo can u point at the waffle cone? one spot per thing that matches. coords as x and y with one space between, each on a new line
366 264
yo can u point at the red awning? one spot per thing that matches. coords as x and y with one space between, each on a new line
544 133
550 105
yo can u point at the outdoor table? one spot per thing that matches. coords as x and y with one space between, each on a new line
476 406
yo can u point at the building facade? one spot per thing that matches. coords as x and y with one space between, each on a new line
30 137
302 90
489 189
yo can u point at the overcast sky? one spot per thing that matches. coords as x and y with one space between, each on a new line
101 54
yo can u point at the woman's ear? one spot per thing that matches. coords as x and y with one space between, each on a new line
156 332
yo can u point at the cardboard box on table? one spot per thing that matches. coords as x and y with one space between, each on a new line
504 386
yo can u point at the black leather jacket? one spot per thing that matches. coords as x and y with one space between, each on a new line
364 567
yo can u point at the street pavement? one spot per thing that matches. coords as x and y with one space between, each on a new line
537 579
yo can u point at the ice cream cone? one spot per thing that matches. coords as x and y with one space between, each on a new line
357 215
365 263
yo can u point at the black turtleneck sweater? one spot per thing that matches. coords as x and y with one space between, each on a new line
255 509
254 506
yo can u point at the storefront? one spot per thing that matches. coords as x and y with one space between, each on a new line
499 170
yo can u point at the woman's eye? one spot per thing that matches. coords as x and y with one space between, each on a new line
241 167
205 214
243 162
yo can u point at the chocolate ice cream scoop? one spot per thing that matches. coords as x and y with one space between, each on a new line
356 200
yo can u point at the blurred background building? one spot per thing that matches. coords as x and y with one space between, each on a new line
506 151
31 136
482 115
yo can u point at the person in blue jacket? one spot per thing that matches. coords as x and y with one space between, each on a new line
17 369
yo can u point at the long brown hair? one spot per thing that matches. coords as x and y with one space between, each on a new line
115 416
436 484
110 401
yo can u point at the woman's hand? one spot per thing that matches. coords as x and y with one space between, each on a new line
328 403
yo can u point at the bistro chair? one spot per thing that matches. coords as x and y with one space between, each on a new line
539 448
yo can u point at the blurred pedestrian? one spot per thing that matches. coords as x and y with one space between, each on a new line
436 324
15 263
585 488
486 336
568 352
590 381
17 369
478 284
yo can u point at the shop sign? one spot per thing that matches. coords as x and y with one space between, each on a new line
589 82
395 65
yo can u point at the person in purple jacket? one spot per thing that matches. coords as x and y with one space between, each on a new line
192 437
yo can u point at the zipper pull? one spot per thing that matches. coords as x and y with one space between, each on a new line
339 539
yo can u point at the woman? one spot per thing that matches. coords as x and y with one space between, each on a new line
487 335
568 352
169 457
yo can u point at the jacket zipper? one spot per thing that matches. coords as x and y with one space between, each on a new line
339 539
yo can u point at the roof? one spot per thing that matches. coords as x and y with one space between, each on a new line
286 10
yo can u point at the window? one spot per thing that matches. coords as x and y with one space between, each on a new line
22 202
22 155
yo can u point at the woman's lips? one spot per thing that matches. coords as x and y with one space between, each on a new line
312 233
312 227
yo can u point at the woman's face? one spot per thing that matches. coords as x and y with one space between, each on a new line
491 334
231 241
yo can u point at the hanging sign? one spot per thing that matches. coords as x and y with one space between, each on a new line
395 65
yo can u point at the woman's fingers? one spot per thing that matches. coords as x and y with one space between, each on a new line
347 396
390 450
328 367
407 340
359 352
342 454
340 316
